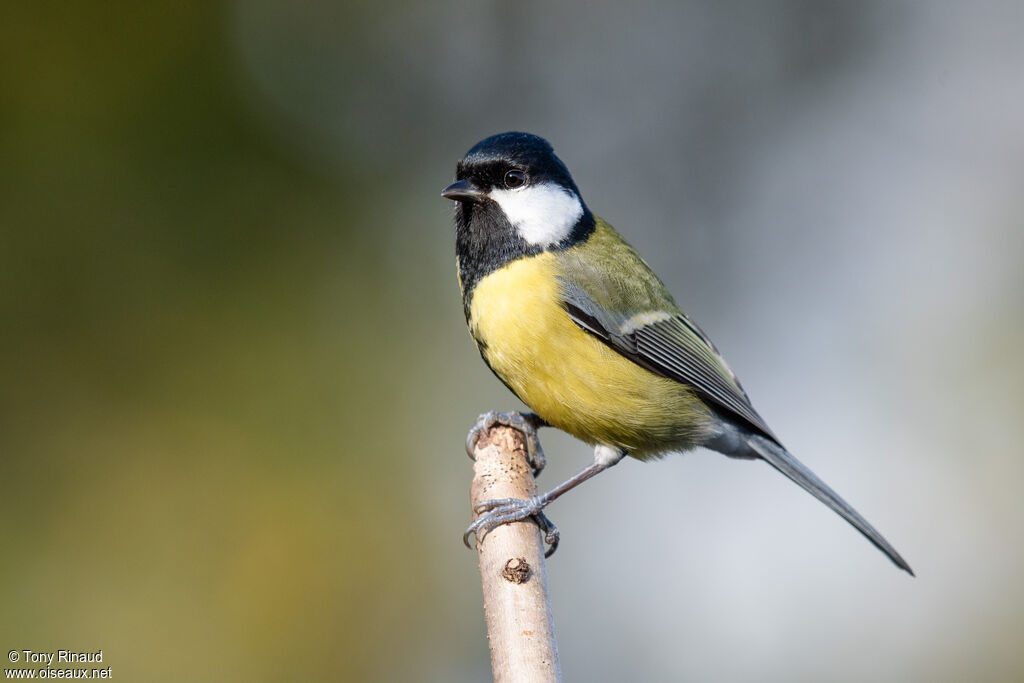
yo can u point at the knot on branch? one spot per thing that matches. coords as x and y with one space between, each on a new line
517 570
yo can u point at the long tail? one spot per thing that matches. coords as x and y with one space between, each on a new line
780 459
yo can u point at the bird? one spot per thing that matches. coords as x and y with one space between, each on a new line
577 325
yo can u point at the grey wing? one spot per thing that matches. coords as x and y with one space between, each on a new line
669 345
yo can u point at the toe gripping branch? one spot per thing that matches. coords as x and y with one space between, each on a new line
526 423
500 511
508 510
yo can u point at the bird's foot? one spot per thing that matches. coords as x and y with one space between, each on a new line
527 423
507 510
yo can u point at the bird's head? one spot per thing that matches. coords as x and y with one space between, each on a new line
514 180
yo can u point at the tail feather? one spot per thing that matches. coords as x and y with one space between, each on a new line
784 462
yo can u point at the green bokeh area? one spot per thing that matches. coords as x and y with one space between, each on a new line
199 369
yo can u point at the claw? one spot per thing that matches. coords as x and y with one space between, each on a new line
551 535
527 423
502 511
506 510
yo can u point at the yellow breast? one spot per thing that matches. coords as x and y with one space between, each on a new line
566 375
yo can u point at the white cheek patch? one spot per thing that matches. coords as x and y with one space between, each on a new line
543 215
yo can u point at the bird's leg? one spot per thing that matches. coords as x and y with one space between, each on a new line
527 423
507 510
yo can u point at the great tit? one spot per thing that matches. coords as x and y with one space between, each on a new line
578 326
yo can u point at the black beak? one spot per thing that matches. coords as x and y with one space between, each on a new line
462 191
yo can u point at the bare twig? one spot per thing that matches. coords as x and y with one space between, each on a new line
511 557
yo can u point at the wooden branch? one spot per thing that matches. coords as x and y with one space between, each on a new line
511 558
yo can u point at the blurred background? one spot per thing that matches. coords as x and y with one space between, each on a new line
236 379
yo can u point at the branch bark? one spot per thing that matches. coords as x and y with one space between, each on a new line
520 629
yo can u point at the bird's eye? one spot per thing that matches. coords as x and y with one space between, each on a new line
514 179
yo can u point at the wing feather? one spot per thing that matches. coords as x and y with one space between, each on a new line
687 359
669 345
